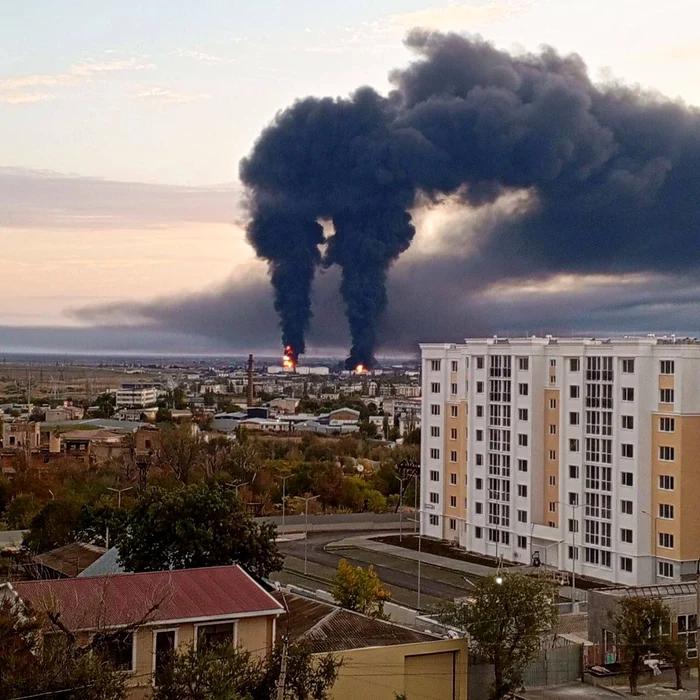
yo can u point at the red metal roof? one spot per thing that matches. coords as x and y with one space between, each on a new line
97 602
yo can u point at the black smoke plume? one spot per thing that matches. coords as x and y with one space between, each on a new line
612 175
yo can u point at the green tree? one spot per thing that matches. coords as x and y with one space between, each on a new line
199 525
106 404
505 619
232 673
21 511
56 668
53 526
359 589
639 623
180 451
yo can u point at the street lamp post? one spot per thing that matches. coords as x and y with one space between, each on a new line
401 480
284 496
119 493
574 506
306 500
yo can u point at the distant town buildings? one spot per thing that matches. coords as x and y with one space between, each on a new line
579 453
136 396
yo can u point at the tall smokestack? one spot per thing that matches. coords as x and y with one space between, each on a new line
250 399
608 176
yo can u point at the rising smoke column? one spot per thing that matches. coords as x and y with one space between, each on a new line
611 174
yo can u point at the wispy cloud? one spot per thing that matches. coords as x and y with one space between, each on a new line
22 89
169 96
209 59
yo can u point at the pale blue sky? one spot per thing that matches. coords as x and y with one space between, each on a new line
170 92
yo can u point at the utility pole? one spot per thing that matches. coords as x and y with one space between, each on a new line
306 527
283 670
401 480
284 496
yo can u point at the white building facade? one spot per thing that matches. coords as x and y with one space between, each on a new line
582 453
136 396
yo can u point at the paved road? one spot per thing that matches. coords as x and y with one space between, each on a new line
397 573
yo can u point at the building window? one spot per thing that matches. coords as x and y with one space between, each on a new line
552 480
522 542
552 454
665 569
552 429
667 367
478 484
522 516
479 460
628 366
627 393
434 409
573 498
666 540
627 449
211 636
522 389
523 363
573 525
479 411
666 482
522 414
626 507
573 552
434 497
628 422
666 453
522 490
480 362
453 501
453 433
453 479
455 366
573 471
574 391
434 475
626 535
687 634
574 445
454 411
434 520
665 395
453 524
478 533
453 455
435 431
480 387
667 425
552 507
435 365
626 564
522 465
435 387
574 418
552 403
522 439
434 453
666 511
627 478
479 435
574 364
478 508
117 649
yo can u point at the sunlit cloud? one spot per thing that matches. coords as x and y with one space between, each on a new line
204 57
169 96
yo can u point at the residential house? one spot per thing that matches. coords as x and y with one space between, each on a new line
158 612
20 435
64 562
380 660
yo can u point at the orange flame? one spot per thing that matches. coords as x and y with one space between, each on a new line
360 369
289 359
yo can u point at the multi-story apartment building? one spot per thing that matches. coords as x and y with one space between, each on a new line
582 453
136 396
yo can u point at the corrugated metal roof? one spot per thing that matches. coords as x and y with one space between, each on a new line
327 628
96 602
70 559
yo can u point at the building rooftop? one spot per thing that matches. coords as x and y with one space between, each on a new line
94 602
666 590
70 559
649 339
328 628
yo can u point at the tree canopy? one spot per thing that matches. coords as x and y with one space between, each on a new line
359 589
506 618
203 524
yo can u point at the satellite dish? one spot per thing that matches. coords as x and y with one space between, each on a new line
360 468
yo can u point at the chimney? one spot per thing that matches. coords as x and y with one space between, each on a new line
251 397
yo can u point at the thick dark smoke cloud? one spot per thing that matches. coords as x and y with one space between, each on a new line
612 176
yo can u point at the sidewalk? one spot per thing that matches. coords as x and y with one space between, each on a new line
365 542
